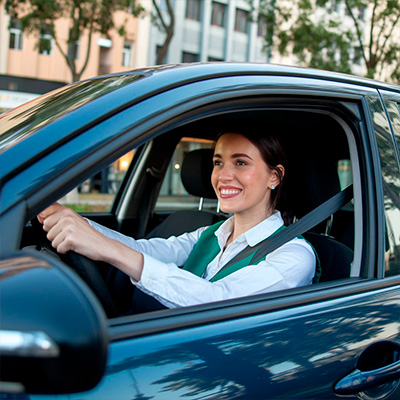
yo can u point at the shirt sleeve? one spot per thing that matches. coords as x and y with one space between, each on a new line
292 265
174 250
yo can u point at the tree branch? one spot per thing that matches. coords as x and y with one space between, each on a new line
371 33
160 16
88 48
71 66
358 31
387 37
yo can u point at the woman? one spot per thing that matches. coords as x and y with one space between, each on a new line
247 177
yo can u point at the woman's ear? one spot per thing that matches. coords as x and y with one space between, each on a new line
277 177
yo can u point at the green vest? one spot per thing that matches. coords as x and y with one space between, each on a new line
207 248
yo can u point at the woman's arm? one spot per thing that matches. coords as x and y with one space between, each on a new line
68 231
292 265
172 250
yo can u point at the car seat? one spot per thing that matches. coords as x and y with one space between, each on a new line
309 186
196 172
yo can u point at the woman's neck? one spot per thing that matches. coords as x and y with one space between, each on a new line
243 223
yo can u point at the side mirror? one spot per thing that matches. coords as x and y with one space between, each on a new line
53 332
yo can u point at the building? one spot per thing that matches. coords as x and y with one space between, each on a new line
208 30
228 30
32 64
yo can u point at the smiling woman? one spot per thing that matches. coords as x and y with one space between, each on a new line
247 170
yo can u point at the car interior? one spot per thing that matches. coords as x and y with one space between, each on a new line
321 142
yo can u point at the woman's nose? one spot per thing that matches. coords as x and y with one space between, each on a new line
224 173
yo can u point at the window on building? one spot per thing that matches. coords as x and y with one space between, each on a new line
158 51
189 57
242 19
16 35
262 26
127 54
215 59
218 14
193 9
45 42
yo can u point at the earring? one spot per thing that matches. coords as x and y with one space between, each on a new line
272 187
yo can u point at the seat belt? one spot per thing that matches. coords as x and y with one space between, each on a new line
304 224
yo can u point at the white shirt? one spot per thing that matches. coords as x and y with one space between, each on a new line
291 265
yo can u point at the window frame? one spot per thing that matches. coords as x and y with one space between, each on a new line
391 104
16 39
193 10
127 53
188 57
241 21
45 37
218 14
262 26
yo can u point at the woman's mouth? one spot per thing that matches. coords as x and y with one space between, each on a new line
226 193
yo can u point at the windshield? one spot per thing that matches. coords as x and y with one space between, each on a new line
23 121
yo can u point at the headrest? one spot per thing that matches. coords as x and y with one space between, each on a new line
313 180
196 172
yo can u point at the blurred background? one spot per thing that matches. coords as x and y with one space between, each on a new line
46 44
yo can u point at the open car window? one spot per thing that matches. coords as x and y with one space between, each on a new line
315 139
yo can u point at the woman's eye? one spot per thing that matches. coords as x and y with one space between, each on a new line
241 162
217 163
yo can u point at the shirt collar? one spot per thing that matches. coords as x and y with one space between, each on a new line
254 235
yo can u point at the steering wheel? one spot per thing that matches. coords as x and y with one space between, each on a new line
86 268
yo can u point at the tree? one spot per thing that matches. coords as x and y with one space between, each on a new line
167 26
39 16
379 39
333 34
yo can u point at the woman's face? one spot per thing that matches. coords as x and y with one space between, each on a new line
241 178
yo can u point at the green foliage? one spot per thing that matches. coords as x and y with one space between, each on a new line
314 31
39 16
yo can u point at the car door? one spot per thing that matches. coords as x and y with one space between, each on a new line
313 342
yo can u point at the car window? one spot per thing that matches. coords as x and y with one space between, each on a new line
391 191
394 115
392 201
173 195
97 193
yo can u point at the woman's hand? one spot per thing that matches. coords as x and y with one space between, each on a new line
68 231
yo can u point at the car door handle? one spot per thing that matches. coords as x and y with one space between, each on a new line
359 381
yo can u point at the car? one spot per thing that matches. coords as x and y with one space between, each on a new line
129 151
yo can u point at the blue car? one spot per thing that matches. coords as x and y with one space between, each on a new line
130 151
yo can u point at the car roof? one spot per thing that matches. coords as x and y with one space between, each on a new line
73 108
